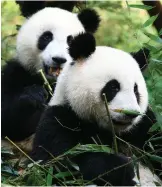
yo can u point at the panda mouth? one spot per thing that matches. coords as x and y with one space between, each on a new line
52 71
121 123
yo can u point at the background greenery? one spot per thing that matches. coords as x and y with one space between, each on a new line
121 27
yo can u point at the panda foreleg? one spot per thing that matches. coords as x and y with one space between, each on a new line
95 165
55 134
141 130
21 112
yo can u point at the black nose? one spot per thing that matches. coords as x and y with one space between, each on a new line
59 60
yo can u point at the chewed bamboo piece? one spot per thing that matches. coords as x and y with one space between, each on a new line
46 83
129 112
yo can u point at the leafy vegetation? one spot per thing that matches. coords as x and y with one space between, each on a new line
125 25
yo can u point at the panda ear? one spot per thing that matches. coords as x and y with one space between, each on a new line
28 8
82 46
89 19
141 57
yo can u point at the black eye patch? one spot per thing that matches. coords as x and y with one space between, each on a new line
137 93
44 40
69 39
111 89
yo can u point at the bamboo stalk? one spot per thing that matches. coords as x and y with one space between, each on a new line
112 126
129 112
46 83
32 159
20 150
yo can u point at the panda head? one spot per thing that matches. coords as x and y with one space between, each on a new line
42 41
98 70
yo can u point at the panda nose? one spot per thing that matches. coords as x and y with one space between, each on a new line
59 60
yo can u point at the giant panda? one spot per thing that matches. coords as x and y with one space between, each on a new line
77 111
42 43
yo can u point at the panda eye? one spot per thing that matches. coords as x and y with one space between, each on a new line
47 37
136 92
114 87
44 40
135 88
69 39
111 89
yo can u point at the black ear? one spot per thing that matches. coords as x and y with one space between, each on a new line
141 57
90 20
82 46
28 8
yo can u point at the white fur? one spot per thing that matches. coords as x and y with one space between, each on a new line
81 84
60 22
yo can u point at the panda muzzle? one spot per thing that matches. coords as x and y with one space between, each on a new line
52 71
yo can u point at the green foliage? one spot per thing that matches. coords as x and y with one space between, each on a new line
145 7
120 26
125 25
150 21
9 20
49 176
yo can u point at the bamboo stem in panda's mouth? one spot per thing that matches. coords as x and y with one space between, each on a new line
130 112
112 126
46 83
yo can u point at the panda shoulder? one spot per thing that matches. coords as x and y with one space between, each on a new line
61 115
11 71
14 75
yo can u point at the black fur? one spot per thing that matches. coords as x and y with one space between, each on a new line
44 40
140 135
110 89
141 130
90 20
60 129
82 46
28 8
137 93
93 164
53 132
23 99
142 58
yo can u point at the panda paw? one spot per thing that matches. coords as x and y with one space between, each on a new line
106 169
33 96
122 170
36 92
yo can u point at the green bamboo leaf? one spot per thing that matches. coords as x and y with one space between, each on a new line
160 32
129 112
88 148
150 47
154 127
153 37
49 176
150 21
145 7
155 158
156 139
64 174
156 60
